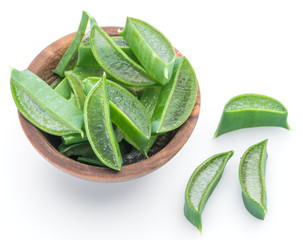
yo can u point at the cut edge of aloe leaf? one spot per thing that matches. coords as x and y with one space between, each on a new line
283 113
149 81
167 70
72 49
158 123
258 210
142 137
117 162
193 215
76 119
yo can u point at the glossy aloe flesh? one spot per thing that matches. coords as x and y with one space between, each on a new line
176 99
86 57
252 110
64 89
58 109
252 180
72 49
75 78
201 185
115 62
151 47
99 128
129 114
43 106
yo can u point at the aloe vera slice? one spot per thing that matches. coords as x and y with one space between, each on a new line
72 49
151 47
115 62
201 185
177 98
55 83
86 57
43 106
75 78
99 128
251 110
64 89
73 138
77 87
90 160
150 98
252 179
77 149
128 114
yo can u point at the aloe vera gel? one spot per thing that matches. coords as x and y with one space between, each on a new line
115 100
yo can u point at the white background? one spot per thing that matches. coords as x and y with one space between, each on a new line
235 47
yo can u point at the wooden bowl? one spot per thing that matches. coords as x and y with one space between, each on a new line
43 65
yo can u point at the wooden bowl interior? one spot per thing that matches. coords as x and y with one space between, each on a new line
43 66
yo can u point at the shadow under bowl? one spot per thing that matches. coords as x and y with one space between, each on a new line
43 66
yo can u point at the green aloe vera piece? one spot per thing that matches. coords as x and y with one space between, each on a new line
77 87
252 110
72 49
99 128
43 106
73 138
86 57
64 89
55 83
252 180
150 98
201 185
151 47
177 98
129 115
73 100
89 83
90 160
75 78
115 62
77 149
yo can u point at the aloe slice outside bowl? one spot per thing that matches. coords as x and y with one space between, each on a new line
251 110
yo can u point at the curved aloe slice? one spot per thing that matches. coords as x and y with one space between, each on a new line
77 149
43 106
99 128
251 175
129 114
71 51
150 98
115 62
176 99
201 185
77 87
154 51
75 78
87 59
251 110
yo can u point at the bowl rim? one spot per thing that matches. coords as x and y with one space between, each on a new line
96 173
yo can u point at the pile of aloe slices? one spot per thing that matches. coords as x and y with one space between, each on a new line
113 95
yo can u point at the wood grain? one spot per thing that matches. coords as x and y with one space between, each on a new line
43 65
